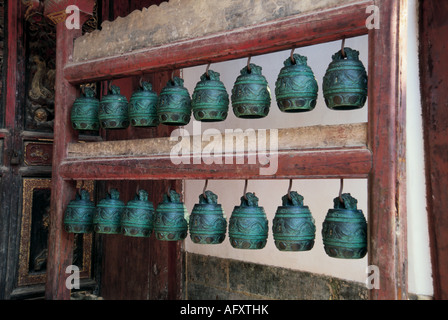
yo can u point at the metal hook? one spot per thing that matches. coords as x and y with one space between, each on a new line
289 189
248 64
137 189
203 190
110 85
342 48
292 56
340 191
245 189
206 70
172 76
141 82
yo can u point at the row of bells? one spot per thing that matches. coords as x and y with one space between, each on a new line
344 88
344 230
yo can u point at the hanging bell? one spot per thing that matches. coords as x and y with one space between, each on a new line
210 100
174 105
251 96
248 225
84 114
138 216
345 82
296 87
113 112
143 107
107 218
344 230
78 216
207 222
170 223
293 225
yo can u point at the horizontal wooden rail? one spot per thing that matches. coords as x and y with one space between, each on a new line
310 152
291 32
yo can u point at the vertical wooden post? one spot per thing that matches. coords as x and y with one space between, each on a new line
387 125
60 243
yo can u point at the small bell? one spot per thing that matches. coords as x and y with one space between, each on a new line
107 218
248 226
251 96
210 100
344 230
113 112
84 114
174 105
296 87
138 216
345 82
293 226
78 217
170 223
143 107
207 222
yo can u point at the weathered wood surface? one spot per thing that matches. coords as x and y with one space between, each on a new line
387 140
305 138
295 31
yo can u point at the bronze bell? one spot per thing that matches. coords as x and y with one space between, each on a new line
78 217
248 225
143 107
344 230
207 222
113 112
138 216
293 225
210 100
84 114
296 87
251 96
345 82
174 105
170 223
107 218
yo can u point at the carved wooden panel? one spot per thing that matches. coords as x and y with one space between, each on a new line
34 234
38 153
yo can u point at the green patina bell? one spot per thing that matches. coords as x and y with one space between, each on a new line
210 100
78 217
207 222
248 225
143 107
113 112
296 87
174 105
84 114
170 223
293 225
345 82
138 216
251 96
344 230
107 218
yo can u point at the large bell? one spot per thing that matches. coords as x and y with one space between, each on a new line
207 222
143 107
113 112
344 230
251 96
296 87
138 216
345 82
170 223
84 114
78 217
248 225
293 225
107 218
210 100
174 105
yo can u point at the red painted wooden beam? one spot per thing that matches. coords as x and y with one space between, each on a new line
330 163
291 32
